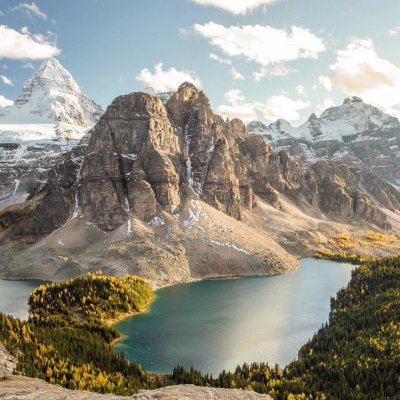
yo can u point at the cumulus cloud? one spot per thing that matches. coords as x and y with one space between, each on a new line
267 46
236 7
31 10
275 107
237 107
394 31
25 45
325 82
236 75
301 90
6 81
282 106
324 105
219 59
360 71
166 80
4 102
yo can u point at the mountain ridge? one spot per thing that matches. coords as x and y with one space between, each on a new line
172 192
354 133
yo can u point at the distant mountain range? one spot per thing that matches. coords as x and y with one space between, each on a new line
164 188
355 134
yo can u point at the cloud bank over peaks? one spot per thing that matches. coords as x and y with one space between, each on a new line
275 107
25 45
359 70
165 80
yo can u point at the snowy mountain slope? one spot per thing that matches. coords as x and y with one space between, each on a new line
50 106
354 133
49 117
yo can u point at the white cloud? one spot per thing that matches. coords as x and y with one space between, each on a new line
301 90
28 66
6 81
31 10
166 80
275 107
25 45
219 59
236 75
237 107
394 31
324 105
324 82
360 71
275 70
282 106
4 102
264 45
235 6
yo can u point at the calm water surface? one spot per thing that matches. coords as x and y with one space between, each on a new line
14 296
217 324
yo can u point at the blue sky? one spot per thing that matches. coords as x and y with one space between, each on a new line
255 59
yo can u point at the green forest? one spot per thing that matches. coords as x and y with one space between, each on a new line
67 338
356 355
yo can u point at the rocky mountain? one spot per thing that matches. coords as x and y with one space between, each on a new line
49 117
172 192
354 133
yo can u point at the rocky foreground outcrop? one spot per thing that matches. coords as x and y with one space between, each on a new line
7 363
22 388
16 387
170 191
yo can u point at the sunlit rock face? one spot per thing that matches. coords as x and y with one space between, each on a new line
145 156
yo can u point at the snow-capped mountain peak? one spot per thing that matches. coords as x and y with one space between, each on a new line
354 132
49 117
53 72
51 106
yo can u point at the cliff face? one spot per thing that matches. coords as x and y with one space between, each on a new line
132 163
144 156
185 187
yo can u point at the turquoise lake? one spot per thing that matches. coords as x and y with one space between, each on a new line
14 296
217 324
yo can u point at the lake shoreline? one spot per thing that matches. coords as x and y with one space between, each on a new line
187 286
156 337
